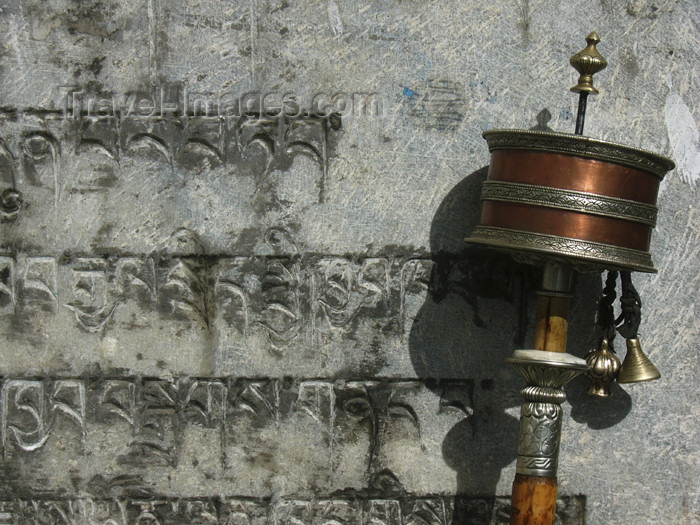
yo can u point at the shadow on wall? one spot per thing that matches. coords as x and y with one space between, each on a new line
479 308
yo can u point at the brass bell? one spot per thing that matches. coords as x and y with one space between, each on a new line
637 367
603 367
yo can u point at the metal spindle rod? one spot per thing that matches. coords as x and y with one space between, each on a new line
548 366
581 113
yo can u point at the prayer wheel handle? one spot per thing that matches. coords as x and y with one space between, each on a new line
534 498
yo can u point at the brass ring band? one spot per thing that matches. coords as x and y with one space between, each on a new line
593 252
578 145
570 200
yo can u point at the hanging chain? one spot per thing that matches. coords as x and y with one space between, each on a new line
605 321
631 316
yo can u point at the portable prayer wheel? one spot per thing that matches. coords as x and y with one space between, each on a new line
569 203
579 200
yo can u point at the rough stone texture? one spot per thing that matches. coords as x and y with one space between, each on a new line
210 315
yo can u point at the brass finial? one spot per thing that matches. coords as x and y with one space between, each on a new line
588 62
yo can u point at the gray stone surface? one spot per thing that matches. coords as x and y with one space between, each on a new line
214 313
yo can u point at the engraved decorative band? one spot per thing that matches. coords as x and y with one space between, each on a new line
499 139
541 467
570 200
591 251
538 439
541 413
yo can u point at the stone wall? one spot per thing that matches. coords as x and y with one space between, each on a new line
236 289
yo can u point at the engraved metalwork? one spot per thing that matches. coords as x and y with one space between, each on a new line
540 415
538 441
604 366
543 394
567 144
570 200
597 254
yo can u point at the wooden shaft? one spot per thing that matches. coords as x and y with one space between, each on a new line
534 500
551 323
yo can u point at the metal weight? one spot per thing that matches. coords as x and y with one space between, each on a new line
603 368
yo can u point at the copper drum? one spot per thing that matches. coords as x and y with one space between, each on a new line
554 195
